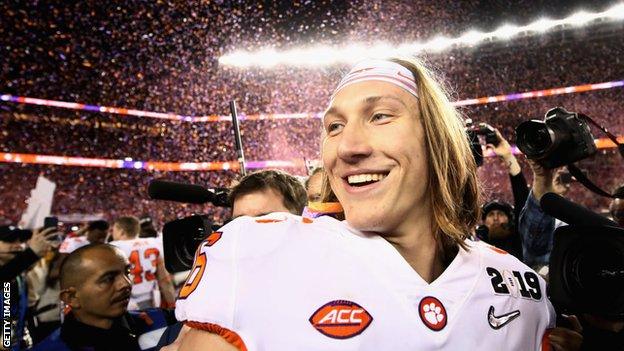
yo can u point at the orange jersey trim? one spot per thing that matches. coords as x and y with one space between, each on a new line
229 336
546 341
325 207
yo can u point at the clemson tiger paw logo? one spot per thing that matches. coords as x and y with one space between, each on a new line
432 313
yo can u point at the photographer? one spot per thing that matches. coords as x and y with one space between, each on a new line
15 260
500 218
535 227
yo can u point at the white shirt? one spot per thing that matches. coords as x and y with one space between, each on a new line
287 284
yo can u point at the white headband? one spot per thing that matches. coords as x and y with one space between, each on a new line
383 70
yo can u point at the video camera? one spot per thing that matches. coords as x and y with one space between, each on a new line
181 237
587 261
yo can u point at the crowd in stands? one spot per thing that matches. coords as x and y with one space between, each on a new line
163 57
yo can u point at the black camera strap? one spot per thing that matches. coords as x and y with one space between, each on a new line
580 176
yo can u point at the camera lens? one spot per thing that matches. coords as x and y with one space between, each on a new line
534 138
598 270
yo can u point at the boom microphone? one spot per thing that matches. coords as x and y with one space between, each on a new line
572 213
186 193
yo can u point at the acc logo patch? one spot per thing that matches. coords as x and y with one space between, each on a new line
341 319
432 313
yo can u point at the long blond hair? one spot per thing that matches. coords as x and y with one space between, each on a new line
453 186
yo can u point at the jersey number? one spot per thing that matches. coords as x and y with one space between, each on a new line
194 277
527 285
199 266
137 268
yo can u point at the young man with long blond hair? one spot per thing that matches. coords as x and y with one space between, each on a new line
398 273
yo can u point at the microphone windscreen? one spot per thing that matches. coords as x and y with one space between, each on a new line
179 192
572 213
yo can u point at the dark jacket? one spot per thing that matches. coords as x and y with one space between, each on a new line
19 264
126 333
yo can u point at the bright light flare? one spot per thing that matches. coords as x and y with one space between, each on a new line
616 12
506 31
326 55
471 37
439 44
542 25
581 18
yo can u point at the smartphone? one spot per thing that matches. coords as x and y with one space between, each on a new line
50 222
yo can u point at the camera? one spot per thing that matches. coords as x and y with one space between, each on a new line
486 130
9 234
181 238
562 138
473 132
587 270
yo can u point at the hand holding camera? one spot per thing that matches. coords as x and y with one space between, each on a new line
44 239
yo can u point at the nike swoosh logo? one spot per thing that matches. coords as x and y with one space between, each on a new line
498 322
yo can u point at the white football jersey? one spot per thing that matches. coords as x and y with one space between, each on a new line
70 244
283 282
143 254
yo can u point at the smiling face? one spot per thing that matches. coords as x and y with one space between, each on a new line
375 156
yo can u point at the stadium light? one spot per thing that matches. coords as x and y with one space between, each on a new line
326 55
506 31
541 25
439 43
616 12
581 18
471 37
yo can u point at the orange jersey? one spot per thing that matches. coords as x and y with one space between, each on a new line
280 282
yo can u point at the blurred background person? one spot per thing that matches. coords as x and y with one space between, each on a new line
93 232
314 184
19 251
151 283
499 218
499 227
265 192
148 230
